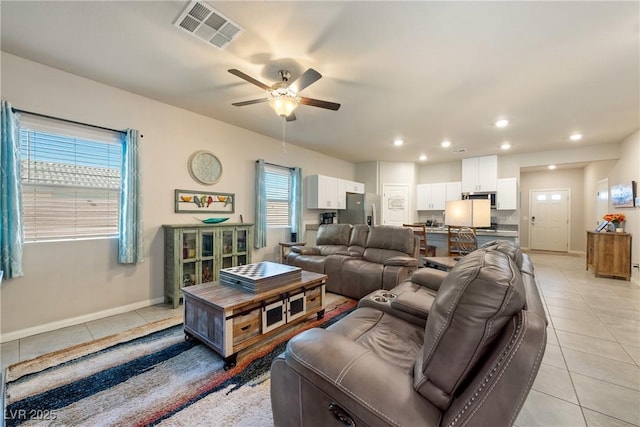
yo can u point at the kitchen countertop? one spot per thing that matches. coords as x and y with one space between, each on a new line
497 233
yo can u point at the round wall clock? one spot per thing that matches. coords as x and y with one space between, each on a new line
205 167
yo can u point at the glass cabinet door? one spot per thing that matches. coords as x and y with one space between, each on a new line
207 243
241 240
189 270
189 273
189 245
227 248
206 270
241 247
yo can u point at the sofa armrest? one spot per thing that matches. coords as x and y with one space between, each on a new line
401 261
366 386
429 278
413 303
305 250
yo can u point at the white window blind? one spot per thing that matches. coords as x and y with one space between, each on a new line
70 180
278 184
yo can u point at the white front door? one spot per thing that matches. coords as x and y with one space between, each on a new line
395 204
549 221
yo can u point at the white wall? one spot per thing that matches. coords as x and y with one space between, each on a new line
71 282
625 170
594 172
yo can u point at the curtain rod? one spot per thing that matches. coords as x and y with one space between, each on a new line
17 110
274 164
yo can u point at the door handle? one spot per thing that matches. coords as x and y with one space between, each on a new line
533 220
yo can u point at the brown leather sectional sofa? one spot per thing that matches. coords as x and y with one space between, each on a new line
359 259
459 349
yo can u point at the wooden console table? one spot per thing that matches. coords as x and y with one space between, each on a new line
228 319
609 254
285 248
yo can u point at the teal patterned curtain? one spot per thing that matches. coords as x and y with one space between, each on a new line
260 235
130 230
11 232
296 201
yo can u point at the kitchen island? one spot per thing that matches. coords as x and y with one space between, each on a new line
438 237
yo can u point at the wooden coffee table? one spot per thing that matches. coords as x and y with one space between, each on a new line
229 319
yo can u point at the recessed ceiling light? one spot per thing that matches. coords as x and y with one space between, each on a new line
505 146
398 142
552 167
576 137
502 123
423 157
445 144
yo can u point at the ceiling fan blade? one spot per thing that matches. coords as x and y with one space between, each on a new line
249 79
291 117
319 103
250 102
306 79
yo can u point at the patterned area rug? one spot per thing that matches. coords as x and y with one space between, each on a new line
149 376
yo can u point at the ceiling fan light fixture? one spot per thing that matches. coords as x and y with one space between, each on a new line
284 105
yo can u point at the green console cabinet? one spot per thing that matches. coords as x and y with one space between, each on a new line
195 253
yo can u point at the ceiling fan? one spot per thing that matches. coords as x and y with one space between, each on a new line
284 96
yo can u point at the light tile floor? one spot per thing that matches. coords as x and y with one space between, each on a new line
590 374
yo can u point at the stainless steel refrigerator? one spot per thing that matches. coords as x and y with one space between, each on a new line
361 209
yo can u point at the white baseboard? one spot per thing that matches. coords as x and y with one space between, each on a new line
48 327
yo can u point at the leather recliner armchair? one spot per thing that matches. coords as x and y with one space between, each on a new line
471 363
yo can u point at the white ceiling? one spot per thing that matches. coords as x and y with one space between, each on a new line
423 71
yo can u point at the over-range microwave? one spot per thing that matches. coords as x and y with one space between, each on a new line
481 196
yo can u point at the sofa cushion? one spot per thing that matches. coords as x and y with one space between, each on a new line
388 337
479 296
392 238
386 241
358 239
360 277
333 234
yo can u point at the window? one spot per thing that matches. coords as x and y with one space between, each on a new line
70 180
278 183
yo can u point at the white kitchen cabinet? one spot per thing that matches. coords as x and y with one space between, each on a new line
321 192
327 192
507 194
479 174
353 187
453 191
430 196
341 196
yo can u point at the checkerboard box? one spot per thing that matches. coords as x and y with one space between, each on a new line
260 276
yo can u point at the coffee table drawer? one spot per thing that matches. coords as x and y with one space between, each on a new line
314 298
246 326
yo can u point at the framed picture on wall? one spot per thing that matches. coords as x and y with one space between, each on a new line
623 195
188 201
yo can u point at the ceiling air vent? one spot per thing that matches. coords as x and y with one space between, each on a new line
208 24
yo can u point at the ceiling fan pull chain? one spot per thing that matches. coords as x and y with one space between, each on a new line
284 133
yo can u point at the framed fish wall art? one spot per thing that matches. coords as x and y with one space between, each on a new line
190 201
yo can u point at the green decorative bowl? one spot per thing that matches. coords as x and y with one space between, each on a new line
213 220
